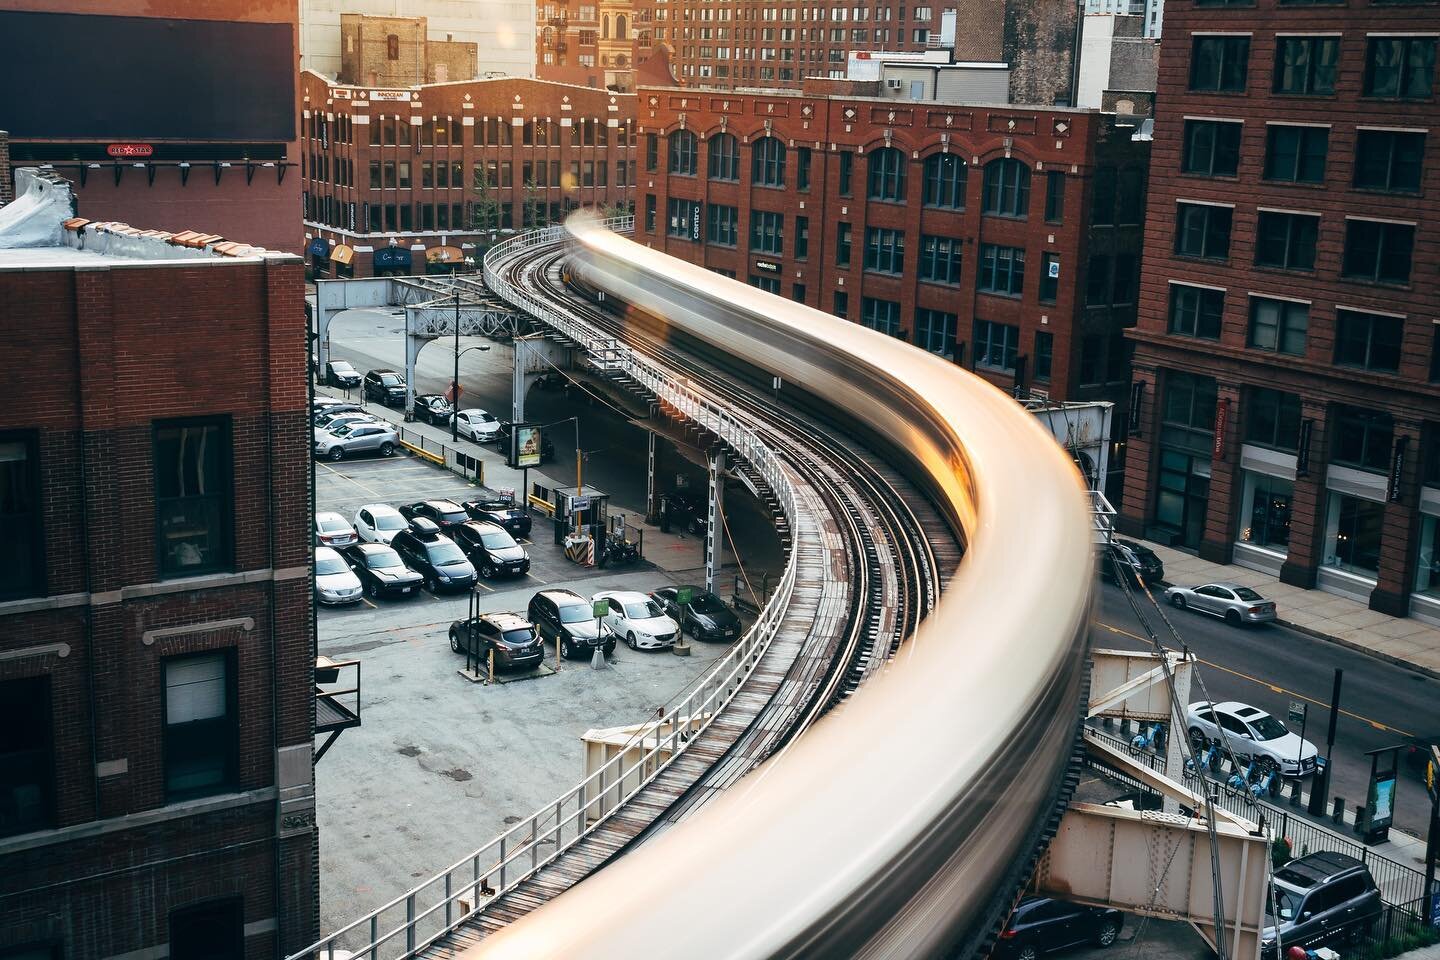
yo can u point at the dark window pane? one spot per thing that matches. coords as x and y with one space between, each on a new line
1007 188
1202 230
1196 311
1367 340
21 529
1219 64
192 497
1296 154
200 724
26 762
1286 240
1389 160
1378 251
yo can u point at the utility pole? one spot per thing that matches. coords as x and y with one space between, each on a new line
1320 791
579 459
455 384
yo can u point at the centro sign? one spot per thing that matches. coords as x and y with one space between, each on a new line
128 150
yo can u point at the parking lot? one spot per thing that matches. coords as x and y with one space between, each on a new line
442 764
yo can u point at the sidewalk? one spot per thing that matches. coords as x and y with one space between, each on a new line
1399 640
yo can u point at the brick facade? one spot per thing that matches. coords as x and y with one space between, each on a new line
398 51
1336 495
374 161
96 353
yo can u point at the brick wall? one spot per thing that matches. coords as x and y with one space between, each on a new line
7 184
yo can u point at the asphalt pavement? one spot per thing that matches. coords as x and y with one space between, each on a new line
1381 704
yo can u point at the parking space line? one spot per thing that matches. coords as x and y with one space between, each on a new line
535 578
350 479
479 583
366 601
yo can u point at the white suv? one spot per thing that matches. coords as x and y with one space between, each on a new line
1250 732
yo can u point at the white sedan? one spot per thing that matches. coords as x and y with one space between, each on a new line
379 522
638 620
333 530
1250 732
335 582
478 425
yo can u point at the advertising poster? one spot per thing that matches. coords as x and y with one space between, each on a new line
527 446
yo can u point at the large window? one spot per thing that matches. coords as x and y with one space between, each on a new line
1389 160
884 250
1218 64
1049 277
1273 419
887 175
945 178
1002 270
193 509
1362 438
802 240
842 244
802 168
934 330
209 931
939 259
767 232
1296 154
1212 148
1007 188
1378 251
1279 325
1196 311
847 167
1265 511
682 218
724 157
1400 68
1055 196
684 149
649 213
1368 340
1353 532
722 225
26 764
1189 402
1286 240
1202 230
1306 65
768 162
200 722
1044 354
996 345
21 532
652 152
882 315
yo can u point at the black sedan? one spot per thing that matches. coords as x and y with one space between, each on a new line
1041 925
491 549
432 409
339 373
701 614
382 571
443 513
502 512
685 510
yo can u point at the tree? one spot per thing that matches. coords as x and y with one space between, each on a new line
534 205
485 209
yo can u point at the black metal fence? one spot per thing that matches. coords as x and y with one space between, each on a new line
1399 929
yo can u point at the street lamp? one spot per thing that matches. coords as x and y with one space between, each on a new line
455 384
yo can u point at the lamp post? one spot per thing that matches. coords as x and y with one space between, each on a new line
455 384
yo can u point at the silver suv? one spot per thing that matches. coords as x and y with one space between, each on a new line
356 438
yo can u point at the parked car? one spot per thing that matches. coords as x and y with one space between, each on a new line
434 556
1139 562
638 619
320 405
1235 604
491 548
356 438
1250 733
478 425
339 373
704 617
335 583
444 513
333 530
503 512
386 386
684 510
566 616
1320 899
1041 925
515 641
381 571
431 408
378 522
333 420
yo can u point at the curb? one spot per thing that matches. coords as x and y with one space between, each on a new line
1361 648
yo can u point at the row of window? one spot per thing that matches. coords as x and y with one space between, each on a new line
1396 67
392 131
1376 251
1391 161
397 175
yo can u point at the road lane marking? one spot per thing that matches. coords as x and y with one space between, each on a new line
1265 683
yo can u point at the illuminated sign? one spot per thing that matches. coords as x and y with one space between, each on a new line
128 150
527 446
767 265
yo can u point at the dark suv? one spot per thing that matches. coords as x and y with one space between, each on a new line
1320 899
387 386
1138 562
704 616
570 618
503 512
1041 925
515 640
434 556
491 549
443 513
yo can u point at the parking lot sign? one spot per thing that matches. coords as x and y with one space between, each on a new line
1297 713
684 595
600 608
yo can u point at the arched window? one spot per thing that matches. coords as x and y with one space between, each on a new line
768 162
945 179
605 27
392 47
724 152
887 175
683 153
620 28
1007 188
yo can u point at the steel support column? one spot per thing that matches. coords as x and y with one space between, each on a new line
652 504
714 524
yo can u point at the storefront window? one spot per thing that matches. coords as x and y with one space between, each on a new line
1427 574
1352 534
1265 511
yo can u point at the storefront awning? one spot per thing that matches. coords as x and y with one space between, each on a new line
342 254
392 258
320 248
444 255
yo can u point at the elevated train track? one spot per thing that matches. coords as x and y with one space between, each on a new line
900 825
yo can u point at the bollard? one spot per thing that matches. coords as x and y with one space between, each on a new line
1107 722
1294 793
1125 727
597 661
1337 812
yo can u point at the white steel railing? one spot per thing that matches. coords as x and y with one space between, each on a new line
415 919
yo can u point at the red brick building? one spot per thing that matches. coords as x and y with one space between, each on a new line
156 647
1006 238
173 114
439 170
1286 356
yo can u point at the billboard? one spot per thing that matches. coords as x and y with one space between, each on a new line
527 446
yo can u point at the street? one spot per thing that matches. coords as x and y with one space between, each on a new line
1380 704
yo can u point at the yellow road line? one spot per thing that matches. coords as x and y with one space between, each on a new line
1266 683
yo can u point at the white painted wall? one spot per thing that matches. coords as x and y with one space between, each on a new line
1095 45
503 31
